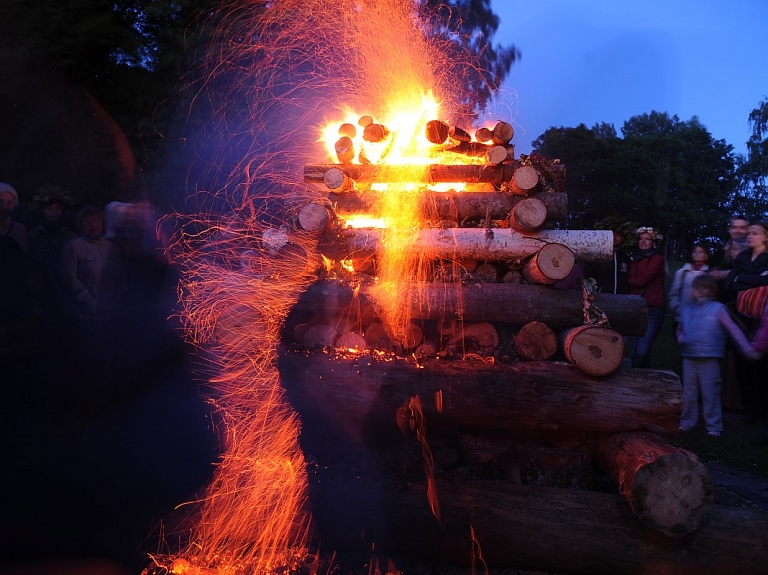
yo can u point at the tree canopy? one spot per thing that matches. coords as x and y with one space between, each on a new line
751 197
663 172
141 59
469 28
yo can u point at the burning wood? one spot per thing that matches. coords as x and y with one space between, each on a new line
453 206
481 244
368 174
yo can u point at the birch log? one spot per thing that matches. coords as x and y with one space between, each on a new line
430 174
438 206
498 244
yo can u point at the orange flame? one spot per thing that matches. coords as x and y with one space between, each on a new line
419 425
252 517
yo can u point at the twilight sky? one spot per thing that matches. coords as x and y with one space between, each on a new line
591 61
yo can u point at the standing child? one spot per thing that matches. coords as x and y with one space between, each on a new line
701 333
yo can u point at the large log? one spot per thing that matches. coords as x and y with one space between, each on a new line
484 244
511 303
430 174
456 206
352 396
533 528
668 488
595 350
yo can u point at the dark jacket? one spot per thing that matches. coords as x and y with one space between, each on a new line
611 277
747 273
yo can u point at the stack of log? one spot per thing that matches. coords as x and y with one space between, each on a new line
537 445
494 241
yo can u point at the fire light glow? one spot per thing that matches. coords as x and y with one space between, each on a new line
283 61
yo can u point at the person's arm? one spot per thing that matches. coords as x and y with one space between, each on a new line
737 335
730 280
750 280
639 278
760 342
679 333
675 291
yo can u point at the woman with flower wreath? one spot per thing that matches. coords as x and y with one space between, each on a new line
646 278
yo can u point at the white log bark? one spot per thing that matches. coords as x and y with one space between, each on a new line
498 244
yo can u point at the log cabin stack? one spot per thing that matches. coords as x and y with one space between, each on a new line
503 422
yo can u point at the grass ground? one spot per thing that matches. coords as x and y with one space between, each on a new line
733 448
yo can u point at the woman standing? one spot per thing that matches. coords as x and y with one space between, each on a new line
680 292
750 269
646 278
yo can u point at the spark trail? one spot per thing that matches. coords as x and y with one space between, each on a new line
274 75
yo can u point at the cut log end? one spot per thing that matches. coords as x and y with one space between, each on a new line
551 264
335 179
536 341
483 135
528 215
502 133
348 130
594 350
667 488
496 155
526 178
436 131
458 135
313 217
672 494
345 149
375 133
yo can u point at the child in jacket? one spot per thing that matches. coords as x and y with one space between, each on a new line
704 326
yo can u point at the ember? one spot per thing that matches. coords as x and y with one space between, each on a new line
410 239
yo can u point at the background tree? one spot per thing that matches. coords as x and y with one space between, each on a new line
751 197
664 172
595 170
145 62
468 28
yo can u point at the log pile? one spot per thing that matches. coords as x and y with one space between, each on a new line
505 396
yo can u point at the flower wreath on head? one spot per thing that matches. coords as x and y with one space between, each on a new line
655 235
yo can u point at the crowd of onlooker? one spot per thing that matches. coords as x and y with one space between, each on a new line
719 315
90 280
